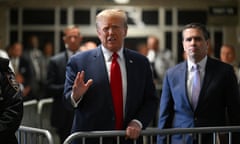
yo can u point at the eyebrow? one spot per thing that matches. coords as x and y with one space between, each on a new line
194 37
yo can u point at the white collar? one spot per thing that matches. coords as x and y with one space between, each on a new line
202 64
108 54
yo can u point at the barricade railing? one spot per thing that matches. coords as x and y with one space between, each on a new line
30 135
44 108
30 115
149 135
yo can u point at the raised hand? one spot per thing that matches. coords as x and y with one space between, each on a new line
79 87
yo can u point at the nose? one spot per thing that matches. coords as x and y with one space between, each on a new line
72 38
193 41
110 30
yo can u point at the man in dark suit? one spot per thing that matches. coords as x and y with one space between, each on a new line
87 85
61 118
22 69
218 91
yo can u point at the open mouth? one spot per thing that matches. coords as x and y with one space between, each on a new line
111 39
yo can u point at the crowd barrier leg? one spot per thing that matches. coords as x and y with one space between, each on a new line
30 135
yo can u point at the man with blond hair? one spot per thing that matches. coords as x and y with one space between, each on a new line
111 87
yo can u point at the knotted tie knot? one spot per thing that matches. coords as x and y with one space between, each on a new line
195 67
114 56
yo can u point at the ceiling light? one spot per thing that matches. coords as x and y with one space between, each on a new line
121 1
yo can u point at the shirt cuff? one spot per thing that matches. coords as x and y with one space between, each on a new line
138 122
75 104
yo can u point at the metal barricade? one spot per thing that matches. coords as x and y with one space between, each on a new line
44 112
30 115
149 135
30 135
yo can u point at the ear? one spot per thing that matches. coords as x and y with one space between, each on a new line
80 38
99 34
208 44
183 45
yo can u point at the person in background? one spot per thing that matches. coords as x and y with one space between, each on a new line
88 45
211 51
33 54
48 52
228 55
142 49
90 84
160 59
61 118
22 69
217 87
11 104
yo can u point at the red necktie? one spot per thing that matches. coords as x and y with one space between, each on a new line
116 89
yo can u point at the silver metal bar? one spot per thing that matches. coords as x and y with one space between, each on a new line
34 134
164 132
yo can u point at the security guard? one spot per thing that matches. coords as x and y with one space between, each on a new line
11 104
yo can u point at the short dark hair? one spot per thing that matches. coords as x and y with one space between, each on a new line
198 26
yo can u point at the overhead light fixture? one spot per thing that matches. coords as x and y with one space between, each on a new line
121 1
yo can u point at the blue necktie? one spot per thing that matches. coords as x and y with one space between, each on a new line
196 85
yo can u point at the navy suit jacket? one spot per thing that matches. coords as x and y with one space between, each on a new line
95 111
61 118
219 92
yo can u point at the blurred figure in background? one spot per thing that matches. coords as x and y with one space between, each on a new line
142 49
33 54
160 59
48 52
228 55
22 70
61 118
88 45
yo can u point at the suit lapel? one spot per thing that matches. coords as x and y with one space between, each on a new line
209 74
101 66
102 73
129 61
183 80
